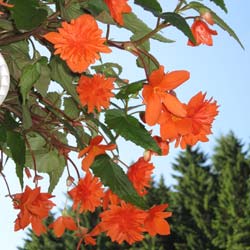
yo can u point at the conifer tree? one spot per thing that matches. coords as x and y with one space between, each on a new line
232 210
193 199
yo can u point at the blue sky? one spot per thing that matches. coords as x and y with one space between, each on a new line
221 71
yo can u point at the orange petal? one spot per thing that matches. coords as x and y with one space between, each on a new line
156 76
162 226
173 79
153 110
174 105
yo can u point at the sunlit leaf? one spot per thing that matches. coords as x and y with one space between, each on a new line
150 5
130 129
179 22
221 4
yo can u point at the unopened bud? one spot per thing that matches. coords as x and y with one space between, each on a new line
147 155
207 16
27 172
70 181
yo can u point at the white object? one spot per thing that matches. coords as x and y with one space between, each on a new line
4 79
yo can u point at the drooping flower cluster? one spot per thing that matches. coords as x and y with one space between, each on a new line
79 43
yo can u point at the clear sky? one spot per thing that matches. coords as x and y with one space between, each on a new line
221 71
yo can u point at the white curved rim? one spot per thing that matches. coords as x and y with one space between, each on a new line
4 79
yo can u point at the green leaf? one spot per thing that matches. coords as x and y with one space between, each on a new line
17 57
54 98
9 122
221 4
129 89
6 25
200 8
27 120
42 83
30 75
3 134
150 5
108 69
114 177
61 74
130 129
70 108
48 161
16 144
96 7
137 26
27 14
71 11
179 22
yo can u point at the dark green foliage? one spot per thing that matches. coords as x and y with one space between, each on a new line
210 205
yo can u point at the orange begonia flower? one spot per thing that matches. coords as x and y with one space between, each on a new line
61 223
110 199
155 222
116 8
123 223
78 42
192 128
202 33
95 92
172 126
34 206
201 113
93 150
87 194
157 92
140 175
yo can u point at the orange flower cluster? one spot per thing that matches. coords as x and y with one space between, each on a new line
34 207
202 33
78 42
117 8
184 123
95 92
128 223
